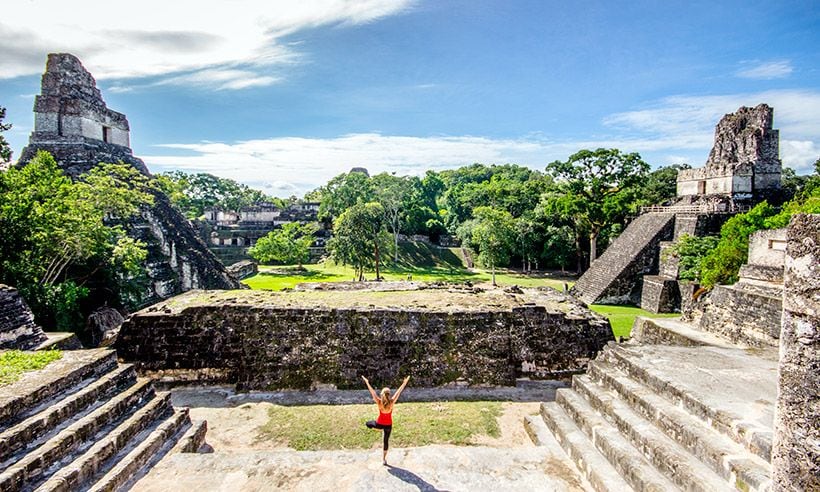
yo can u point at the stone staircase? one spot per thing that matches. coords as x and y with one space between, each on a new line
681 411
85 422
614 277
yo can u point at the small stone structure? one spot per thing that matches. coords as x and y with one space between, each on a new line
17 327
796 454
743 168
749 311
73 123
244 269
266 340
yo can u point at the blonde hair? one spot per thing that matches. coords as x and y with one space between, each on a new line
385 396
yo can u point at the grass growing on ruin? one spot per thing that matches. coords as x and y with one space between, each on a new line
622 317
283 277
414 424
16 362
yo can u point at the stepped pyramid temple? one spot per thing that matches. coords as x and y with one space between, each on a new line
743 169
72 122
722 399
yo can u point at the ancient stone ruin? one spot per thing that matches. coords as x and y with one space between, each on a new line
85 422
73 123
17 327
270 340
680 408
743 169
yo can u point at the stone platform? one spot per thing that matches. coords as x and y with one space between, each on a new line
428 469
300 340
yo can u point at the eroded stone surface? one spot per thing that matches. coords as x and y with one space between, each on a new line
429 468
796 455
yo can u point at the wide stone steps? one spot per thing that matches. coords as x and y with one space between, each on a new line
630 463
83 468
85 422
664 453
724 456
27 432
755 438
613 273
593 465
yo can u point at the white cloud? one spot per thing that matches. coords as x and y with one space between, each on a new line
768 70
223 44
673 130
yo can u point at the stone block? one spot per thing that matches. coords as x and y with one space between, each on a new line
796 448
660 294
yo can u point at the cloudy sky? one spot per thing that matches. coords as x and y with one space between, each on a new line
284 95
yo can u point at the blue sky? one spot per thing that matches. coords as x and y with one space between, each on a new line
284 95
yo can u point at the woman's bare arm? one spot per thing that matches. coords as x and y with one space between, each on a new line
372 391
398 392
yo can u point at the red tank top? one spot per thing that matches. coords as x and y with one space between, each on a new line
385 418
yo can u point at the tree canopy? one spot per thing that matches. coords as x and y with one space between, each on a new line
597 188
5 148
288 245
193 193
59 234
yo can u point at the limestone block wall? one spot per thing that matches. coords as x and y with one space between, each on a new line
768 248
796 445
741 315
264 347
17 327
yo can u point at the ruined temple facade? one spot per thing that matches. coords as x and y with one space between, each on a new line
73 123
744 162
743 169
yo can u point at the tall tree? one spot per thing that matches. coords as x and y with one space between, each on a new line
288 245
494 234
392 192
599 187
193 193
5 148
359 238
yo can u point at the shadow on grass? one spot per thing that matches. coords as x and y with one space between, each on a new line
411 478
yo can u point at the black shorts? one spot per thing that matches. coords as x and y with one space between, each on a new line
387 429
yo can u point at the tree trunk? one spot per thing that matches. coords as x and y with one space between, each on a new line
579 251
377 260
492 266
593 245
395 245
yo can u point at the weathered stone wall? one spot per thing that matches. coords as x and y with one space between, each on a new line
243 269
796 452
266 347
660 294
17 328
741 315
768 248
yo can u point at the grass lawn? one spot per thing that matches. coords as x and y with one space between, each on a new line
281 277
622 317
15 362
414 424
